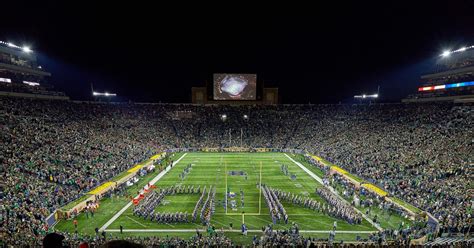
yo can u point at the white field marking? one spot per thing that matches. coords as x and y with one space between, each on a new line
141 224
315 220
234 230
225 190
169 225
304 225
314 176
152 182
260 191
196 224
254 216
264 221
333 191
218 222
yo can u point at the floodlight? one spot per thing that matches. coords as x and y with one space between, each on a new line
364 96
445 53
26 49
462 49
31 83
6 80
103 94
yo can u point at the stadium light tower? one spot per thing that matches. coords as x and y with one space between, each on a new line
364 96
446 53
106 94
98 94
26 49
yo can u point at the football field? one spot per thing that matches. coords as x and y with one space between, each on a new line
238 199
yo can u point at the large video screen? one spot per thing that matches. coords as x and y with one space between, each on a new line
235 87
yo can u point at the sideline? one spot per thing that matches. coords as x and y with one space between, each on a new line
234 230
152 182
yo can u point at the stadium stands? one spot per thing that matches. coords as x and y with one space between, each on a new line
53 151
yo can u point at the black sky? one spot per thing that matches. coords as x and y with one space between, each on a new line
319 53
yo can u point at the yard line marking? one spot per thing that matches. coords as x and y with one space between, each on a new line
152 182
218 222
196 224
264 221
235 231
169 224
141 224
226 200
235 214
304 225
314 176
260 192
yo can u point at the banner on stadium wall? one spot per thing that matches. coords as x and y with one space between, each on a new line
147 162
158 156
102 188
236 149
339 169
374 189
209 149
295 151
135 168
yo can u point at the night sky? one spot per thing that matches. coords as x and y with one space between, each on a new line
317 53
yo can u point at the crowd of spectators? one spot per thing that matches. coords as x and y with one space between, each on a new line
54 240
54 151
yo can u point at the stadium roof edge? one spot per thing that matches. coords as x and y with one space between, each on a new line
448 72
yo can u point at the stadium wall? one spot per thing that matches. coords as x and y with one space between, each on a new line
37 96
456 99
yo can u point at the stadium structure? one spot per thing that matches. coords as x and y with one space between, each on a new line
453 79
20 73
234 168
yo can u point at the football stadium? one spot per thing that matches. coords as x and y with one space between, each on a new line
235 166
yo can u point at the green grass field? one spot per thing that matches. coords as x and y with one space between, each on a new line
212 169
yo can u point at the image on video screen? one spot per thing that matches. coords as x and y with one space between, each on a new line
235 86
